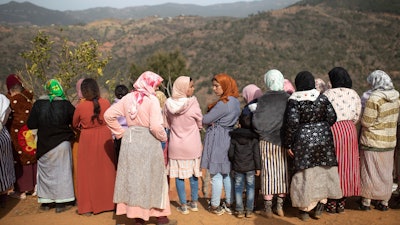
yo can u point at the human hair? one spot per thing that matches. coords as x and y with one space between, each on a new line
91 92
120 91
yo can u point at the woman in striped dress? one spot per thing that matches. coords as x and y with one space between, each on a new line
267 122
378 140
7 174
347 105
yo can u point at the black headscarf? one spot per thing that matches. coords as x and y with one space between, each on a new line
339 77
304 81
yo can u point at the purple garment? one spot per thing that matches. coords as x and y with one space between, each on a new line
121 119
220 121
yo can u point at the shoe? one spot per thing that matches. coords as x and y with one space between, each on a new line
170 222
249 214
267 211
183 209
239 214
364 208
217 210
331 206
303 215
193 206
17 195
382 207
279 206
46 206
318 210
34 193
62 207
227 208
340 206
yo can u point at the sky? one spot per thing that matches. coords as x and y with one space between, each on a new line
63 5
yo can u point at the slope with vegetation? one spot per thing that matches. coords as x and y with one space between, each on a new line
311 35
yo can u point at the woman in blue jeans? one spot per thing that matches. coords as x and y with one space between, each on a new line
220 119
184 119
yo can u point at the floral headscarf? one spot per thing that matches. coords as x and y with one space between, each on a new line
229 88
54 89
144 86
251 92
380 80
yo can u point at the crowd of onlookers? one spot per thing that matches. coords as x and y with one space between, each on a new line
316 143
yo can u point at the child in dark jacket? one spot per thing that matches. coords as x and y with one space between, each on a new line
245 159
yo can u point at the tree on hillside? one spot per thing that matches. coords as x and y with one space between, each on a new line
66 63
169 65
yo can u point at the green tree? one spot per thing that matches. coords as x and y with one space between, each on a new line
169 65
66 63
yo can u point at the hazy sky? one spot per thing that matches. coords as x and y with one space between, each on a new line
85 4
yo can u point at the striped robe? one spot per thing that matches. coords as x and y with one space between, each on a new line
274 171
7 172
347 154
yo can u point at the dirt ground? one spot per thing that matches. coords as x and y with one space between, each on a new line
26 212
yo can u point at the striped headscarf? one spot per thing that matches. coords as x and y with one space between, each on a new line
54 89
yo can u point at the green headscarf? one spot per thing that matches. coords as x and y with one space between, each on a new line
54 89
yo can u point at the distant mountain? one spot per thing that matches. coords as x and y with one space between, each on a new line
389 6
28 13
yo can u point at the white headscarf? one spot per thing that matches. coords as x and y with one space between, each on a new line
380 80
274 80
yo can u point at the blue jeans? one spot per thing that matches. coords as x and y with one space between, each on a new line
194 186
239 186
217 180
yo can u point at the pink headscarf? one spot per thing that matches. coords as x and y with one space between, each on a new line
144 86
251 92
181 85
288 86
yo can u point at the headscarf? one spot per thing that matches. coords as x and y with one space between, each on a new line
4 105
144 86
78 88
304 81
180 87
339 77
13 80
320 85
251 92
229 88
288 86
380 80
274 80
54 89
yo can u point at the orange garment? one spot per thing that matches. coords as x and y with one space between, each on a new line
96 160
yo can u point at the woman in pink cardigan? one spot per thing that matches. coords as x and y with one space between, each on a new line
141 188
184 119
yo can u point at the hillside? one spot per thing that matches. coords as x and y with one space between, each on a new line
314 37
28 13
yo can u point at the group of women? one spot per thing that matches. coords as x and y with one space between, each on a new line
308 145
